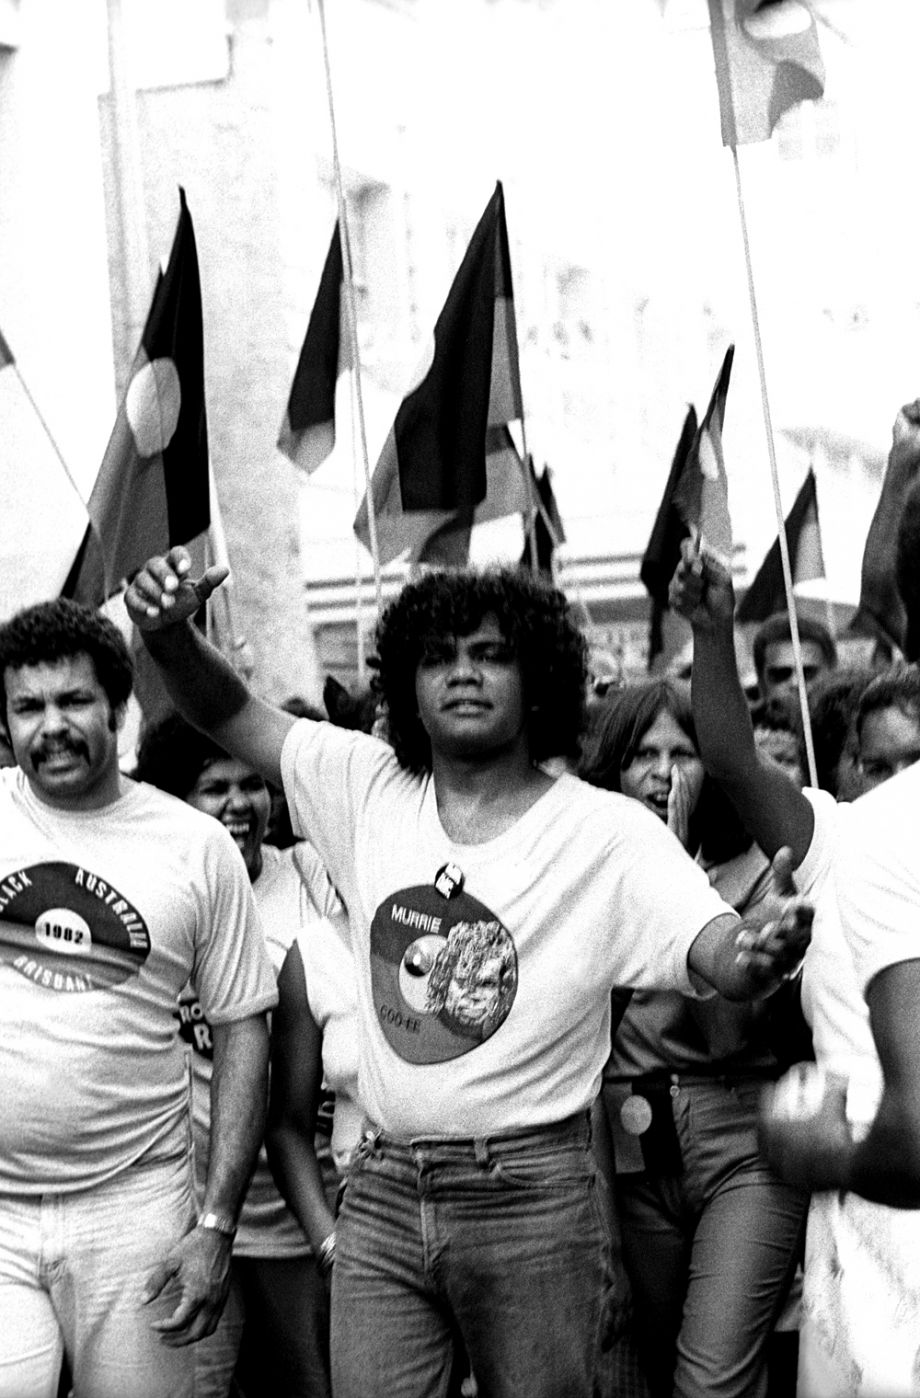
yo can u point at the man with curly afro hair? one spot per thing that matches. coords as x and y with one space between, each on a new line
472 1205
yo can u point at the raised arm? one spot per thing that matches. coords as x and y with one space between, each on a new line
771 806
879 600
296 1079
161 601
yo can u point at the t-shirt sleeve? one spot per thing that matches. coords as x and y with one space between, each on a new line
674 902
320 891
329 776
878 889
810 874
233 972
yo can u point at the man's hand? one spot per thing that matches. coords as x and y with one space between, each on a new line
199 1269
701 590
773 952
803 1128
162 594
905 438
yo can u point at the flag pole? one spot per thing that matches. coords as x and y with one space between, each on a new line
774 473
14 364
530 523
239 649
352 312
359 591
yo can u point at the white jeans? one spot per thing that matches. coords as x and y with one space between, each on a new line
72 1274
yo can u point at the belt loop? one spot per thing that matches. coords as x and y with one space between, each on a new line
481 1150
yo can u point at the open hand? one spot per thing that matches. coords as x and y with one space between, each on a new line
773 952
162 594
679 811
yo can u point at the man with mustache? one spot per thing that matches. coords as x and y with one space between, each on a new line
111 896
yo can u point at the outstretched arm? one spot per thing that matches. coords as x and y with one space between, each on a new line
771 806
746 960
161 600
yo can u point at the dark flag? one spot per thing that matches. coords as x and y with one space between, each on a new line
767 593
449 454
701 492
307 433
548 530
662 553
152 491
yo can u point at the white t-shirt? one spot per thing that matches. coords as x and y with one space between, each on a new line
879 896
286 906
831 997
104 916
489 1009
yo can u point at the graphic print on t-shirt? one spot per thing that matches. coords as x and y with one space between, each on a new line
194 1028
66 929
444 973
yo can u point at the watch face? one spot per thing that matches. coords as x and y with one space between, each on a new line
444 972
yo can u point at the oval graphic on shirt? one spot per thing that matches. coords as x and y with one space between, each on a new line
444 973
66 929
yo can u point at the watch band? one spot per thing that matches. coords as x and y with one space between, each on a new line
218 1223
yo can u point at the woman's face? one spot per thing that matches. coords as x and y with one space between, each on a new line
663 746
237 796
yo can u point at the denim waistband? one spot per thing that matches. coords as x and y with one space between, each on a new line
574 1129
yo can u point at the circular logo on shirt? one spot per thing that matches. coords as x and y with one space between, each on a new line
66 929
444 973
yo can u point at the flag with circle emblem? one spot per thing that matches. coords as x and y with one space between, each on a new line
152 490
767 60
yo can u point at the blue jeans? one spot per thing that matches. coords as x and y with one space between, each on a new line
278 1311
710 1248
499 1240
72 1273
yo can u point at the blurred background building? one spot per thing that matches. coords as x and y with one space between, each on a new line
602 122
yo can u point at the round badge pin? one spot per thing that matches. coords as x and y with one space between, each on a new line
449 880
636 1115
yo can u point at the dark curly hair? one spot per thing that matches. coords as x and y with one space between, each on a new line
60 630
778 627
832 704
895 688
534 617
172 755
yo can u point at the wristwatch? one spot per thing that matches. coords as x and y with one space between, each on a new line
218 1223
